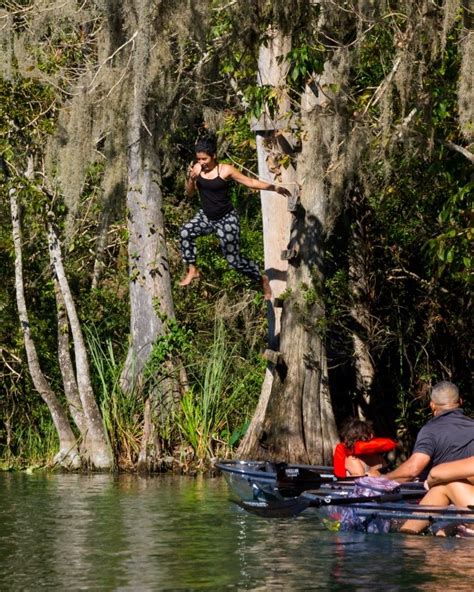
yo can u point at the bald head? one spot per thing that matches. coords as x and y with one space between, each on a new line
445 394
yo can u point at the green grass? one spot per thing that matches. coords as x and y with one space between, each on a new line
122 413
206 409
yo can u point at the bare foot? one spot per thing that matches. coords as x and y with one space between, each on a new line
267 291
193 274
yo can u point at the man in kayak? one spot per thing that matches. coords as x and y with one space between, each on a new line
447 437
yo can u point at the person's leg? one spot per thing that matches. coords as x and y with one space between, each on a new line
197 226
462 494
459 493
228 231
438 496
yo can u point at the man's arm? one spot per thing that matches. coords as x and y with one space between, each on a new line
410 469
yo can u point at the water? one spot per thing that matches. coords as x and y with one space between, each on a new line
76 532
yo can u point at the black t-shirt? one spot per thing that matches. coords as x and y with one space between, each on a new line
448 436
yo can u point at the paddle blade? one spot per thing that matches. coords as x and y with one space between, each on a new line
275 509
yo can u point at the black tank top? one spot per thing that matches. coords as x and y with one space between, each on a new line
214 194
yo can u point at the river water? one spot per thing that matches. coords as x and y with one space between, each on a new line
100 532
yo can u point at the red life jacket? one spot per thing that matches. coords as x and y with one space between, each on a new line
360 448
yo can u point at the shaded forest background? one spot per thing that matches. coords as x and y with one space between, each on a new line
84 83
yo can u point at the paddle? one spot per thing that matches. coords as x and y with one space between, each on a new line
417 514
445 510
294 506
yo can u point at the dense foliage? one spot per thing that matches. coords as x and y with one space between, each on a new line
408 200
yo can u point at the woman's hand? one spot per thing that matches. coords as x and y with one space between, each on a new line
193 172
191 176
283 191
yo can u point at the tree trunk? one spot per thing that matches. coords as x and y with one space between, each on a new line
97 449
299 424
273 140
359 287
68 454
150 285
151 303
66 366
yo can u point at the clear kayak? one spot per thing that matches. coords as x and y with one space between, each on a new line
367 504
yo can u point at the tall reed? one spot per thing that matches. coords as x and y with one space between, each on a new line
205 410
34 445
122 413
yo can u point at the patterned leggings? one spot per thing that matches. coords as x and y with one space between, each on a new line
227 229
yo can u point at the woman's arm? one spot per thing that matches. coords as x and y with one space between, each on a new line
231 172
355 467
190 185
452 471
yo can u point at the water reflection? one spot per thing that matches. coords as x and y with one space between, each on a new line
99 532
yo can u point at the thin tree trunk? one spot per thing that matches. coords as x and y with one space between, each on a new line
98 451
66 366
360 290
68 454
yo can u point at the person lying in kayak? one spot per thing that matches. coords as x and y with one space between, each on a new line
217 214
359 450
447 483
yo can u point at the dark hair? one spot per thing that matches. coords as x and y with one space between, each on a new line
354 430
206 144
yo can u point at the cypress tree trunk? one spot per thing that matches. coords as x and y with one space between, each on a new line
272 133
151 303
299 424
150 284
273 139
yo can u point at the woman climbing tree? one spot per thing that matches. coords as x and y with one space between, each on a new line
217 214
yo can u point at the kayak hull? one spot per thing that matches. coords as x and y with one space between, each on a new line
260 480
